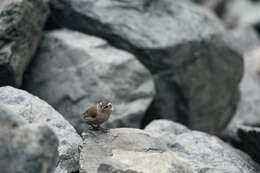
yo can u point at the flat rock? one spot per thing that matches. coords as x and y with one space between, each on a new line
31 109
127 150
21 23
24 147
72 71
183 45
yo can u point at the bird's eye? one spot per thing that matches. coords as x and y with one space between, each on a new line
106 106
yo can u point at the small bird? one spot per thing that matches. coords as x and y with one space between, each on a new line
98 114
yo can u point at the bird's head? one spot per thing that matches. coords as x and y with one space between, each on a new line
105 107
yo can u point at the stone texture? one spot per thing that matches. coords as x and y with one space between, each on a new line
27 148
244 39
21 23
248 12
33 110
83 70
253 61
183 45
127 150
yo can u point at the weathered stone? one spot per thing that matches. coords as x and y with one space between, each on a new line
128 150
165 130
33 110
220 8
244 39
183 45
72 71
253 61
27 148
247 12
21 23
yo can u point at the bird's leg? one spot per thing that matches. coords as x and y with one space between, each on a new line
102 129
93 127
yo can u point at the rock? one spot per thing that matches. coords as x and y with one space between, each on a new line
21 23
183 46
83 70
209 154
204 152
127 150
26 148
33 110
220 8
253 61
247 12
165 130
244 39
250 137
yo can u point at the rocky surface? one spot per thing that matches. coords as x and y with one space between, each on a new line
253 61
137 151
27 148
33 110
84 70
244 39
247 12
21 23
183 46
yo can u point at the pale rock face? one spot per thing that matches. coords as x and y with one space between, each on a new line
26 147
31 109
127 150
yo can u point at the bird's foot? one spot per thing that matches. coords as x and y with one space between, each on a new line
103 129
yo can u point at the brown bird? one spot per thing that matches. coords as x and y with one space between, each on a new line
98 114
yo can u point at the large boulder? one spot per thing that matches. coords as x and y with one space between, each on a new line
72 71
33 110
24 147
21 23
128 150
183 45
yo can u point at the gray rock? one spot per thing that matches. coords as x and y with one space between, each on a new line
72 71
250 138
33 110
253 60
221 9
183 46
165 130
21 23
126 150
248 12
244 39
27 148
209 154
137 151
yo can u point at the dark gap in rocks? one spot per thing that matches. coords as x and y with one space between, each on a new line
149 116
75 171
257 29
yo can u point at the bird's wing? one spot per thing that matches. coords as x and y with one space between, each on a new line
91 112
